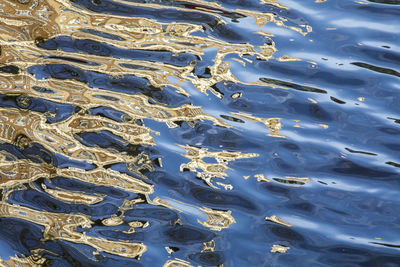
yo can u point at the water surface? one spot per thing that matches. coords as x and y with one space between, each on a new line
199 133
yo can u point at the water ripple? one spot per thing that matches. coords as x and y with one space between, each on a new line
199 133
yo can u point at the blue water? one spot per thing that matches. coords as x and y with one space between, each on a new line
337 100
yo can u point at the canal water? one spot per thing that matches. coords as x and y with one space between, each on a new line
183 133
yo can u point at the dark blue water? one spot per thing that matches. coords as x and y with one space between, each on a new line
200 133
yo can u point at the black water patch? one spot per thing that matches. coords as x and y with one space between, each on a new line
222 199
11 69
293 85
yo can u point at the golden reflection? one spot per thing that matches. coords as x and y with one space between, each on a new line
273 124
208 171
275 219
23 127
26 25
286 58
64 226
60 17
132 133
208 246
73 197
261 178
279 249
112 221
177 263
293 181
72 92
161 202
312 100
33 260
136 224
108 177
217 219
14 173
324 126
274 3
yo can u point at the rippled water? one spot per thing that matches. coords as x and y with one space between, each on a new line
199 133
